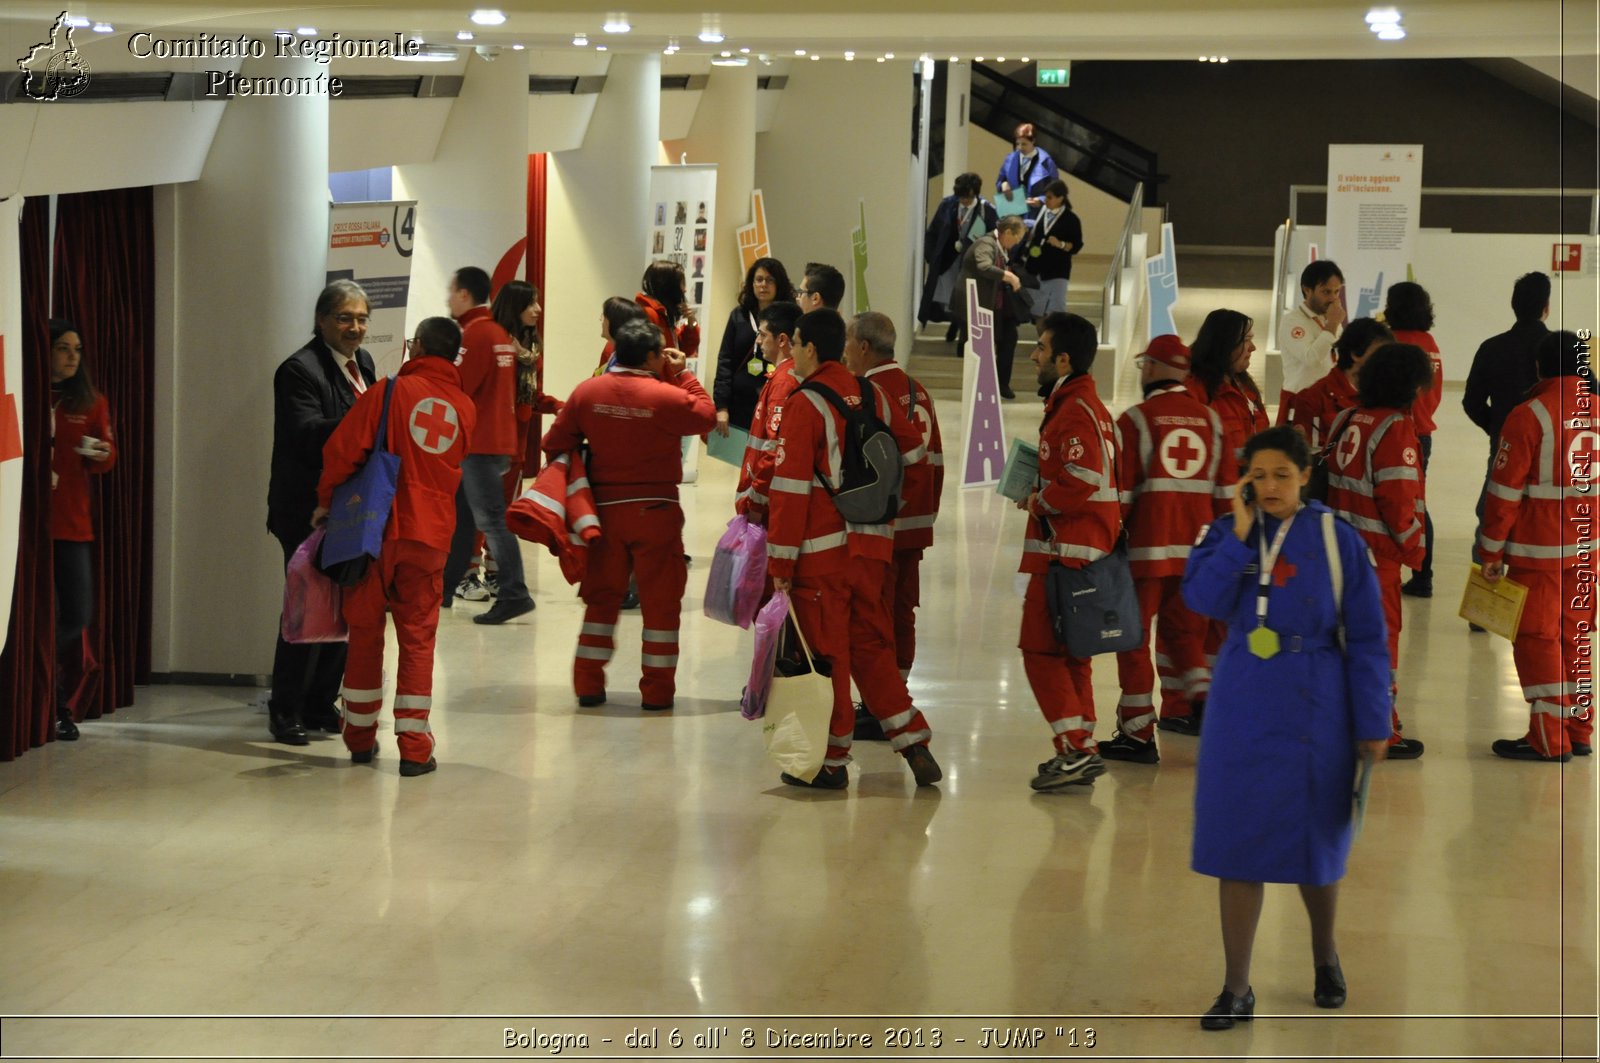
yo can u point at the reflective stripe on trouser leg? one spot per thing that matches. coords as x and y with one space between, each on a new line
654 541
1060 682
1555 680
605 582
823 615
871 654
416 583
1135 676
365 610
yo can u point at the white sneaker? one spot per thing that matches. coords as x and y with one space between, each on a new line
491 583
1069 769
471 590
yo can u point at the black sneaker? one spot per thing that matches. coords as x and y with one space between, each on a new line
412 768
1522 749
1075 768
868 729
1180 725
1418 587
1122 747
1581 749
67 729
1228 1009
827 779
631 599
363 756
923 766
589 701
647 707
1405 749
502 610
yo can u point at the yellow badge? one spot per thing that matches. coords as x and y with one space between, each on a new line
1264 642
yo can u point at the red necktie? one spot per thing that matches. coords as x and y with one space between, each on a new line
355 376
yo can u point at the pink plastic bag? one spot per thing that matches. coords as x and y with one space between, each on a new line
738 574
769 633
313 605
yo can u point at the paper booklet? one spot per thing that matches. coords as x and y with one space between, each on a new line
1021 474
1496 607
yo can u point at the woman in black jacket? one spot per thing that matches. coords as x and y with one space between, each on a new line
741 370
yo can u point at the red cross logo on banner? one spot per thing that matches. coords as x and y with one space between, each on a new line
1183 453
1349 443
434 425
1565 258
1580 456
10 425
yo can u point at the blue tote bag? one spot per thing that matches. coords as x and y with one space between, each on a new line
361 504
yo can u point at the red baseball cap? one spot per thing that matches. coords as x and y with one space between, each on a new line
1169 351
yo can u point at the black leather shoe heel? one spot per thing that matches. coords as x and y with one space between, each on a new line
1330 990
1228 1009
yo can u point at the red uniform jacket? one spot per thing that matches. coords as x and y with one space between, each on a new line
1541 500
806 536
1315 408
924 475
1241 412
69 503
755 476
1174 477
633 421
686 339
1427 403
431 421
1375 483
1078 502
558 512
489 377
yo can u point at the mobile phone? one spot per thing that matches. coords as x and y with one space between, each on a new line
1249 493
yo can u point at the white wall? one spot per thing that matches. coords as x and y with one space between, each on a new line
841 134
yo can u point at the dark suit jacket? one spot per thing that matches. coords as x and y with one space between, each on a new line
311 394
1502 372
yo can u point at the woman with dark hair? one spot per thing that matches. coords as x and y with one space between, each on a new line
960 219
82 443
1029 168
1219 376
1299 694
1051 243
1375 482
1313 410
616 311
665 301
1408 310
741 368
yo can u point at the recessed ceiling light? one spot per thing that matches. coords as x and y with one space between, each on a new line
1202 58
1025 59
815 58
617 22
306 31
955 59
102 27
464 35
601 48
488 16
880 59
518 47
888 55
1224 59
850 57
744 51
978 59
1383 16
77 22
1391 33
727 55
799 51
579 40
999 58
712 35
730 60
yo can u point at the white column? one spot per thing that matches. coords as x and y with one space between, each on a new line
242 254
724 133
599 217
472 199
957 109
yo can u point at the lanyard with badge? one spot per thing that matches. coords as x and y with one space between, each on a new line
757 365
1263 640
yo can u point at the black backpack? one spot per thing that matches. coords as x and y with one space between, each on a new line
869 474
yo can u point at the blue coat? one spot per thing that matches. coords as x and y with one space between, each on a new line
1277 757
1044 171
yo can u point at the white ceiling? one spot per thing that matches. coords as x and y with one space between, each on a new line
1556 36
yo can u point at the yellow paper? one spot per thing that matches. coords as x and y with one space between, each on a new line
1496 607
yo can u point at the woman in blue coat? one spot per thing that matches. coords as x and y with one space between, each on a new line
1300 690
1029 168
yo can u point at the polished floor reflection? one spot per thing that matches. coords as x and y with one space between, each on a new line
568 861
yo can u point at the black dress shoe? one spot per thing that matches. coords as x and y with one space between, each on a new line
1180 725
589 701
647 707
363 756
1581 749
1228 1009
412 768
868 729
1522 749
1418 587
502 610
1405 749
1007 393
1330 991
827 779
66 729
289 732
329 720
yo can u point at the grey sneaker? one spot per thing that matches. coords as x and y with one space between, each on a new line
1069 769
472 589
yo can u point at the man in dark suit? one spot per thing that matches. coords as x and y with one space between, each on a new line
312 391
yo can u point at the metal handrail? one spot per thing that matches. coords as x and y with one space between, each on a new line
1111 294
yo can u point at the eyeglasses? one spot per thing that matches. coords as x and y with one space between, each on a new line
352 319
798 292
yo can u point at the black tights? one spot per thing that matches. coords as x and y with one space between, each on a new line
74 569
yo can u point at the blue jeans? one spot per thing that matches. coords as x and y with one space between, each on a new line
481 506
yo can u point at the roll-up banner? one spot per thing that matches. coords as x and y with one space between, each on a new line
683 205
10 405
1374 204
370 243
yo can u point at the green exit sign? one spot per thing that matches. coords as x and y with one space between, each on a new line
1053 75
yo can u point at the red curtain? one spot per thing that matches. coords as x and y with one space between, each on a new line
104 282
27 676
538 184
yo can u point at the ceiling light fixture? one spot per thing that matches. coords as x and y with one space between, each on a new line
617 22
744 51
730 60
849 57
888 55
881 59
601 48
1391 33
488 16
518 47
1025 59
580 40
1224 59
815 58
977 59
999 58
1383 16
711 31
102 27
955 59
306 31
464 35
77 22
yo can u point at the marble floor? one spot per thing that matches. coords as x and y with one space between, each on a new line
177 885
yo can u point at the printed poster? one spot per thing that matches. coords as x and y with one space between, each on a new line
371 244
683 205
1374 205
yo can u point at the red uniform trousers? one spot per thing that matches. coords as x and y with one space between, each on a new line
643 539
846 621
1060 681
1180 659
1389 585
1553 660
902 593
406 581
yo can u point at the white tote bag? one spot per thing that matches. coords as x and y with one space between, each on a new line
799 709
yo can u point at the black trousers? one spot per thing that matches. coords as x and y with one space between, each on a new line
1426 571
305 678
1005 347
74 585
